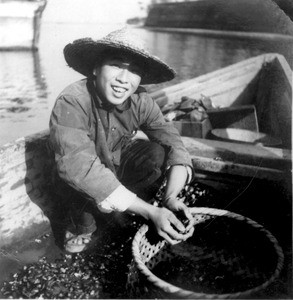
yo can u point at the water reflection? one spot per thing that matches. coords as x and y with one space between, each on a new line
192 55
23 93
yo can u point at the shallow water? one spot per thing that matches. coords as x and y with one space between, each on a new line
13 260
30 82
41 269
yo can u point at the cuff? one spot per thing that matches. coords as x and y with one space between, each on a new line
189 174
119 200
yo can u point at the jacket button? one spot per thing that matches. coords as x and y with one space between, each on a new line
113 128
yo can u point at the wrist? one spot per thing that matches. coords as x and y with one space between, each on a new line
168 200
142 208
151 212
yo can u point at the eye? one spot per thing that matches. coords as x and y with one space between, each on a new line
115 63
136 70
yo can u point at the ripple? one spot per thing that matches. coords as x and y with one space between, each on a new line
17 109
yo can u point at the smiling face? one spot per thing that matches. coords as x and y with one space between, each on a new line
117 77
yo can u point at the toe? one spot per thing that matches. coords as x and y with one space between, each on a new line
69 235
86 241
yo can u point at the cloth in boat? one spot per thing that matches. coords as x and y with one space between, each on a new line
87 137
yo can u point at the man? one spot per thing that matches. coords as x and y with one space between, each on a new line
92 130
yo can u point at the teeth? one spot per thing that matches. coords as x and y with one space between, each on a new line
118 89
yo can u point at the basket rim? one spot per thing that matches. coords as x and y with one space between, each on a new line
170 288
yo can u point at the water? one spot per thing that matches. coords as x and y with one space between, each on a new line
30 82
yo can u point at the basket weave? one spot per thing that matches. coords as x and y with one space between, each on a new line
228 256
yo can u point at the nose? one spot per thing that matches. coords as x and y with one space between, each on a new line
122 76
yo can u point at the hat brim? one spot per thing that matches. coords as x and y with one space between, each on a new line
82 55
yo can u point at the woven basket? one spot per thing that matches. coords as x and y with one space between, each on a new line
228 256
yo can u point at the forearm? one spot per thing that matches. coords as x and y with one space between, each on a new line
87 175
142 208
153 124
176 180
78 164
168 136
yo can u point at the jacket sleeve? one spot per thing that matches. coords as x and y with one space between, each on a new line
157 129
75 154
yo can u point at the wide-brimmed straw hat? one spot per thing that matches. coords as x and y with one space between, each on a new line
83 54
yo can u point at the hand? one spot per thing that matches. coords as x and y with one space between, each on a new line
164 220
168 226
177 206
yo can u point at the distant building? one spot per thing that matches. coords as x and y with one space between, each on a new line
223 15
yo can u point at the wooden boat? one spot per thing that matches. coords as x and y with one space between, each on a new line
26 199
264 80
21 21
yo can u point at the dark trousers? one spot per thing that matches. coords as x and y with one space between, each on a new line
140 171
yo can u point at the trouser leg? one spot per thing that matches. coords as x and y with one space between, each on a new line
141 168
81 212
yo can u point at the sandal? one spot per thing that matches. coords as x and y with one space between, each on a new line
75 243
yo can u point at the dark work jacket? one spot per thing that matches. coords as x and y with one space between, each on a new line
87 137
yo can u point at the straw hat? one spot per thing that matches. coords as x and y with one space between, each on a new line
83 54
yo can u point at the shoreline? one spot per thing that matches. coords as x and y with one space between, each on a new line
223 33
